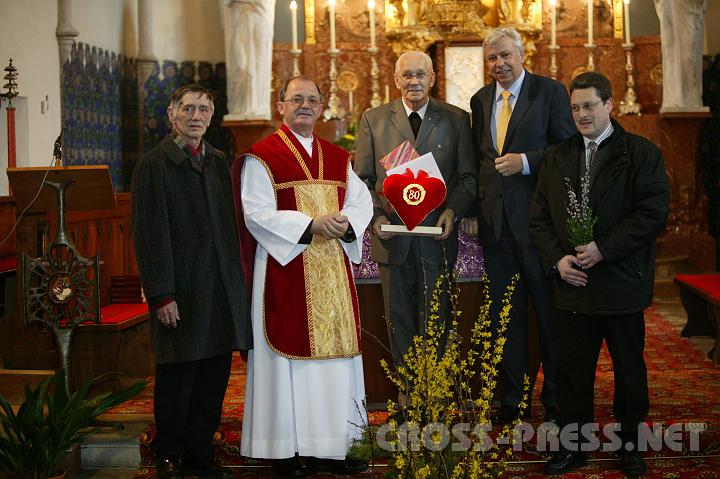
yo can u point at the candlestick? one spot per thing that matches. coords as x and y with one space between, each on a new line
331 9
293 16
627 21
591 60
374 75
371 12
553 23
334 108
350 102
590 23
629 105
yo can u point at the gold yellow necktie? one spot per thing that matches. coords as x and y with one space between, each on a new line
503 120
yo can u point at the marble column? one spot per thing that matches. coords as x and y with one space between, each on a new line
64 31
146 61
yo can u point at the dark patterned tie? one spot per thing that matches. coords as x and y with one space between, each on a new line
415 122
590 156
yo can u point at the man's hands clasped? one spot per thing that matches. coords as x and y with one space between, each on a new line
571 268
330 226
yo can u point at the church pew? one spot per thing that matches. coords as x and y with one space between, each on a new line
700 295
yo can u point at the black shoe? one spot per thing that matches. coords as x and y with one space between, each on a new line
551 414
287 468
632 463
507 414
205 467
335 466
564 461
168 468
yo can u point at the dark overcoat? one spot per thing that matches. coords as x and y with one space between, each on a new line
630 198
187 248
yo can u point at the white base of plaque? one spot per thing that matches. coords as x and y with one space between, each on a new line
417 231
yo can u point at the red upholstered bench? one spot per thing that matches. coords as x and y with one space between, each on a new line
118 316
8 264
700 295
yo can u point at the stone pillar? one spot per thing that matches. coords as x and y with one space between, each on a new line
64 31
249 26
146 60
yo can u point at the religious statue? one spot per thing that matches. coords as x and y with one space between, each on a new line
681 32
248 47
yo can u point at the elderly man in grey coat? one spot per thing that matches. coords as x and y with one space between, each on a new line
189 260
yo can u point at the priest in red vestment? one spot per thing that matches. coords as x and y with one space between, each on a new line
302 213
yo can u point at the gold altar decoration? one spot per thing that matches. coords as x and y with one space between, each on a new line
418 24
310 22
348 80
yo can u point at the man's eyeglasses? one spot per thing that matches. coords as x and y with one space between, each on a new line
586 107
299 101
408 76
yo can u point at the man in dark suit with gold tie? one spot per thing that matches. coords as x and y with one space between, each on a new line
514 119
409 265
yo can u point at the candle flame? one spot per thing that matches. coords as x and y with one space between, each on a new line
371 3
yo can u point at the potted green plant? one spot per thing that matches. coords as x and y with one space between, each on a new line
49 422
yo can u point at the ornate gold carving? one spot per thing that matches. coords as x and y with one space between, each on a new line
656 74
310 22
418 24
456 17
618 19
412 38
578 70
348 80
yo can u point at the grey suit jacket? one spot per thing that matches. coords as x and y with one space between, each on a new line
541 117
445 131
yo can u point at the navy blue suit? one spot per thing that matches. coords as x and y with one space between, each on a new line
541 117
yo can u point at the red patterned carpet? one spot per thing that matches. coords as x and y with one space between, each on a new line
684 388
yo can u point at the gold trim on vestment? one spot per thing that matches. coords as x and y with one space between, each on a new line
331 319
286 139
293 184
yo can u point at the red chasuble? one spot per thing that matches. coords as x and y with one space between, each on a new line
310 304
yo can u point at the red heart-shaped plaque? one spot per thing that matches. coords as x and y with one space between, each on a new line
414 197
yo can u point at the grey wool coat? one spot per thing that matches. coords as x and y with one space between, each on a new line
187 248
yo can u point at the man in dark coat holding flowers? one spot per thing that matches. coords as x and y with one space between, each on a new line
601 200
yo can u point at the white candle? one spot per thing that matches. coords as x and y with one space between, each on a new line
387 94
371 11
331 8
627 21
553 23
590 22
350 101
293 12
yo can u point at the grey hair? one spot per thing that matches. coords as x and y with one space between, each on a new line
426 58
501 32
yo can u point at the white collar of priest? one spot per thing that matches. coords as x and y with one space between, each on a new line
514 88
420 112
307 143
601 137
